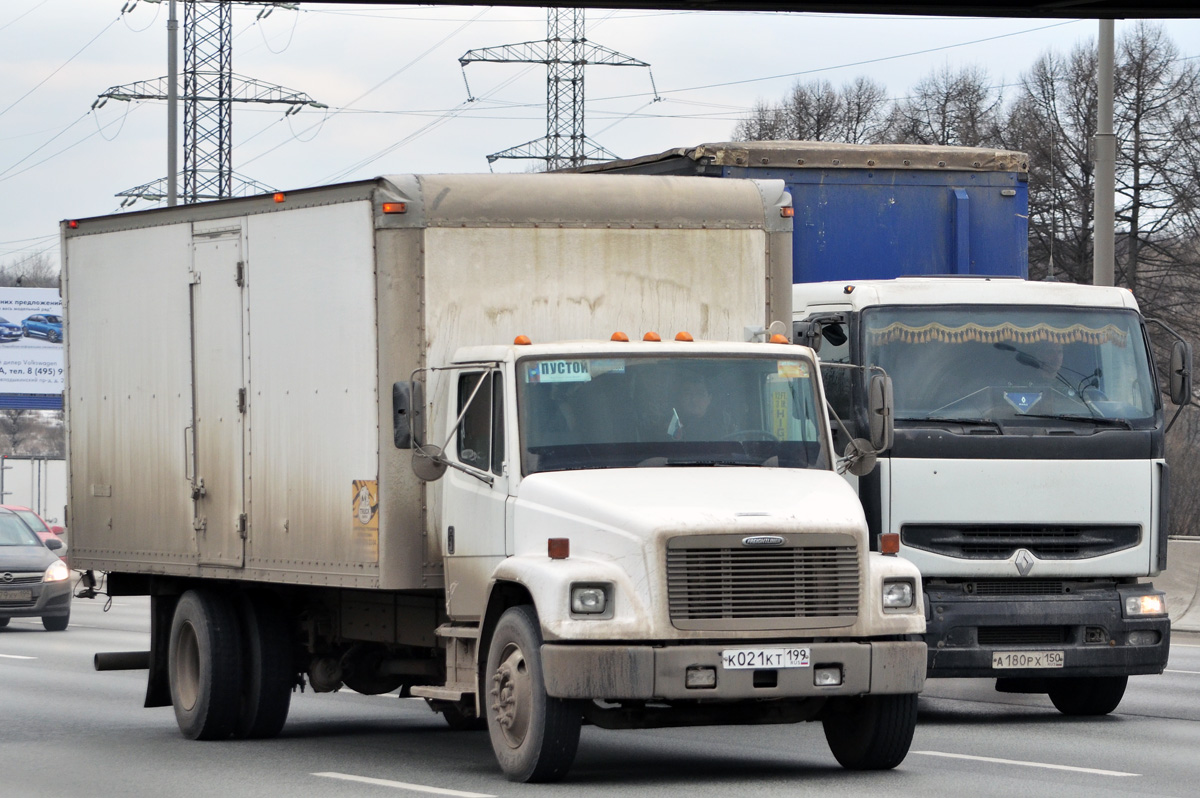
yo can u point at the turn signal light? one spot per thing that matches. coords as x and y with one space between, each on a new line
787 212
395 207
889 543
558 548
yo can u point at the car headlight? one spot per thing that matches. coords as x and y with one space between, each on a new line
589 599
1137 606
57 572
897 595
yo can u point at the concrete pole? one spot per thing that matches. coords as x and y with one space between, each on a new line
1103 252
172 106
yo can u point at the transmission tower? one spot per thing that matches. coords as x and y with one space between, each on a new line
210 88
565 52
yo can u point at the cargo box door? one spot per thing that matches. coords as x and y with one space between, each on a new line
219 397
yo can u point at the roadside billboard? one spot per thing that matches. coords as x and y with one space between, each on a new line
31 334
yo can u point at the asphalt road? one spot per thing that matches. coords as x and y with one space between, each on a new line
66 730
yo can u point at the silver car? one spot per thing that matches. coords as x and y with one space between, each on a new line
33 580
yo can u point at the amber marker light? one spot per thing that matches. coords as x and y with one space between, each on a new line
683 335
522 340
651 336
280 196
787 212
395 207
848 289
889 543
779 339
620 336
558 548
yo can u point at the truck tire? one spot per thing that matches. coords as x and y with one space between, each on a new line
534 736
872 732
56 623
270 674
204 665
1087 695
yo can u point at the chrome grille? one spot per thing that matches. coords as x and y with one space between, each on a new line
788 587
19 579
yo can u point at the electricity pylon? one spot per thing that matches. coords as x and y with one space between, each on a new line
565 52
210 88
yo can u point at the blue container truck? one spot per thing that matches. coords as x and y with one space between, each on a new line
1027 478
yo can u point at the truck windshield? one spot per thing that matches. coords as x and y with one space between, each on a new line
669 411
1008 364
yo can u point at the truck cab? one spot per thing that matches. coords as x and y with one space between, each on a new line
1001 388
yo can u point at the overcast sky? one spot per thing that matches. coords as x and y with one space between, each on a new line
396 96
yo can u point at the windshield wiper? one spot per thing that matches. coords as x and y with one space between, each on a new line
659 462
1101 421
966 422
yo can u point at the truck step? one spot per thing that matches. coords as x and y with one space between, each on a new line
450 692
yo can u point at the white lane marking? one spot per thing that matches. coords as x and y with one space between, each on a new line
400 785
1026 764
15 656
1184 645
1193 673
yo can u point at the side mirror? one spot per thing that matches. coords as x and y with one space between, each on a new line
807 333
879 412
1181 373
58 530
54 544
408 417
859 457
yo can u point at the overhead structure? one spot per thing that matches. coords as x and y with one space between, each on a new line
210 88
565 52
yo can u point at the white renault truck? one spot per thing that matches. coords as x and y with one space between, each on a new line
518 445
1027 479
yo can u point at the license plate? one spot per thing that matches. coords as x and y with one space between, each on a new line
1027 659
16 595
745 658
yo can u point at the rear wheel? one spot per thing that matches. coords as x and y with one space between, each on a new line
872 732
55 623
534 736
1087 695
269 676
204 663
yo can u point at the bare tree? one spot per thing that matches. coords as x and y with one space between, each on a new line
950 108
816 111
32 271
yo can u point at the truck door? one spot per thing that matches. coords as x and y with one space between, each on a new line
476 499
218 396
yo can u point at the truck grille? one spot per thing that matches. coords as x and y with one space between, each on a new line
718 583
1023 635
999 542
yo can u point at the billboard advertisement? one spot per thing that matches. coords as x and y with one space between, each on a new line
31 335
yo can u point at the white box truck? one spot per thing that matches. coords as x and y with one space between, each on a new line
1027 479
420 434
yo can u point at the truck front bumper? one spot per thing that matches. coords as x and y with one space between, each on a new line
1086 625
661 671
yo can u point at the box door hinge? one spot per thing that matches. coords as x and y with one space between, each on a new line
240 274
241 526
241 400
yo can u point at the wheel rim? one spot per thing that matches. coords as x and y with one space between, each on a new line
187 667
511 693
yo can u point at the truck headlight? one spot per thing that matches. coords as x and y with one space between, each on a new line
589 599
897 595
1138 606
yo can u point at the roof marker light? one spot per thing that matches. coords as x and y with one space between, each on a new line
651 336
620 336
683 335
522 340
73 224
779 339
395 207
280 196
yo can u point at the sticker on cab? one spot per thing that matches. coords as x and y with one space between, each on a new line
558 371
792 369
364 507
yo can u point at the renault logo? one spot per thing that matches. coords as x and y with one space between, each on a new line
758 541
1024 562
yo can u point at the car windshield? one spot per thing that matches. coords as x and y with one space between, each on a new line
31 518
669 411
1004 364
15 532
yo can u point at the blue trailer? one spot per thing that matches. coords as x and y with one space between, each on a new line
879 211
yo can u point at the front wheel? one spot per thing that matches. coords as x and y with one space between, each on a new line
872 732
1087 695
534 736
56 623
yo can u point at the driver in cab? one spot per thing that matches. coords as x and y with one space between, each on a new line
693 417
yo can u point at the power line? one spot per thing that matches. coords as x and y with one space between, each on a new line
64 63
20 17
